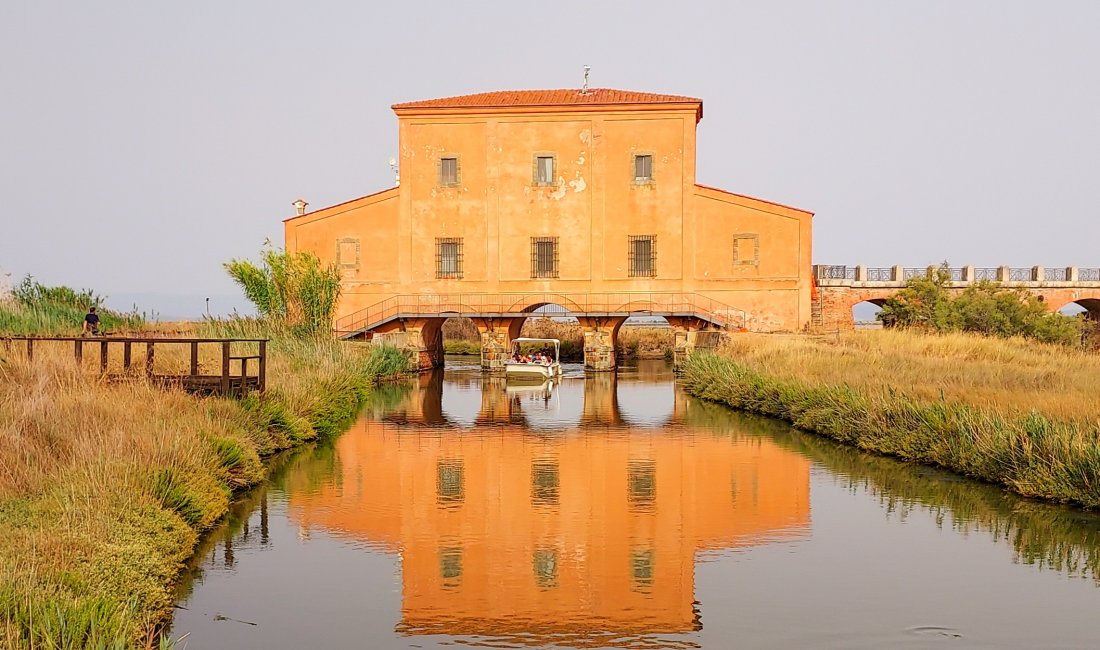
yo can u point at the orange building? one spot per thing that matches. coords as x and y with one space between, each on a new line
532 536
571 193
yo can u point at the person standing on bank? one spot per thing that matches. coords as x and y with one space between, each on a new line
91 322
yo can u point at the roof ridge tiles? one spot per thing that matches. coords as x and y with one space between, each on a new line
550 97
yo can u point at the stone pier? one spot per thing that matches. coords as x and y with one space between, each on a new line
600 336
422 338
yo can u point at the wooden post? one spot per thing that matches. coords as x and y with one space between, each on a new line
150 353
78 351
30 349
261 379
103 357
194 358
244 377
127 355
225 367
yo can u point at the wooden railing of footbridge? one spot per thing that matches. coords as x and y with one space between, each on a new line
493 305
230 380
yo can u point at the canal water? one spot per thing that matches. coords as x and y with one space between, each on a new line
614 511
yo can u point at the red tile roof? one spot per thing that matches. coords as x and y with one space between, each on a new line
559 97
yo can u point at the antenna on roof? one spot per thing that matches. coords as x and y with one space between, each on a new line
584 88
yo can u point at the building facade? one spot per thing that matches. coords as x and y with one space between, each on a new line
562 191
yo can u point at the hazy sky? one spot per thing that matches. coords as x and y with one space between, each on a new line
145 143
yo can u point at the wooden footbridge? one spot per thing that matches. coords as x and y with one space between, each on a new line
240 371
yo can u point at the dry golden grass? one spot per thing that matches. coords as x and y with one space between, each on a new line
991 373
105 484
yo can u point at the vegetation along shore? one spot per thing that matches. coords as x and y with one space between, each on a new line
106 486
1006 410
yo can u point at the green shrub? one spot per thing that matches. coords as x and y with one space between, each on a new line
295 290
985 307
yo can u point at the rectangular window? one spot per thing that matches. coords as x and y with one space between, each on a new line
544 257
641 479
448 171
643 168
746 249
448 257
450 482
544 482
643 256
544 169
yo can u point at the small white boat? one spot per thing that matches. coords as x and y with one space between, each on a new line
539 367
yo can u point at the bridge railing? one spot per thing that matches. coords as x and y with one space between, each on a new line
515 304
963 274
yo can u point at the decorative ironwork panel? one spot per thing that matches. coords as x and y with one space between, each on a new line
448 257
880 275
956 275
985 274
1019 274
1056 275
910 273
642 253
1088 275
544 257
832 272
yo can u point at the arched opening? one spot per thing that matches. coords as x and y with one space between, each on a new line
645 337
460 337
865 314
1086 307
550 320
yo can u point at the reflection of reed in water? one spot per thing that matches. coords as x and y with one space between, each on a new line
1061 538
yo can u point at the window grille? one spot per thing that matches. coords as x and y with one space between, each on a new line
450 566
746 249
643 256
545 563
448 171
448 257
544 257
641 568
642 482
544 483
643 168
450 482
544 170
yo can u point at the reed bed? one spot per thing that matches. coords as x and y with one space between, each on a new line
106 485
1012 412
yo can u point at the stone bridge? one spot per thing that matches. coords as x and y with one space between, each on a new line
415 322
839 288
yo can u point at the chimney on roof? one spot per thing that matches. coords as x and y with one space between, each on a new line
300 206
584 88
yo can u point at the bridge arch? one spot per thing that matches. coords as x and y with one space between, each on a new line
1089 306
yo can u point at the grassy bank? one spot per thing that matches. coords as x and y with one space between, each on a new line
1020 414
105 487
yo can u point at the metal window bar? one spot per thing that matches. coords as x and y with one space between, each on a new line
985 274
642 252
1088 275
448 257
1056 275
544 257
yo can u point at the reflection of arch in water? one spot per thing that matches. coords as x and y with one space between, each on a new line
602 400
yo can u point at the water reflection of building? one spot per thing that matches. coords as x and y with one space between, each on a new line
505 532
